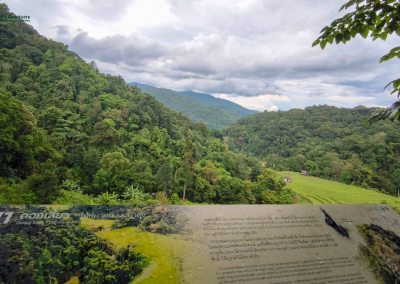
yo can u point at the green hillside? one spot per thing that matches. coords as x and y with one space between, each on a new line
216 116
204 98
68 131
208 99
329 142
139 85
320 191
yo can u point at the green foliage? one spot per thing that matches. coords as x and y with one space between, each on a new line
48 56
104 134
312 168
164 176
91 161
75 198
101 182
55 253
270 189
328 142
115 162
133 122
396 178
268 197
174 198
109 101
292 165
15 193
107 199
66 67
214 116
391 113
255 172
70 185
285 196
45 184
136 194
20 140
379 17
62 122
231 191
32 53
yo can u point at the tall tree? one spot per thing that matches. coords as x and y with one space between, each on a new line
176 161
396 180
164 176
45 183
255 172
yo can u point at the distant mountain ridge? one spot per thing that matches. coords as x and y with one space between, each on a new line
214 112
140 85
204 98
209 99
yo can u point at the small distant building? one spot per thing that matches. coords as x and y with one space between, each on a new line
287 179
304 173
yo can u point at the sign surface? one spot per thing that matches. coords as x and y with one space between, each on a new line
277 244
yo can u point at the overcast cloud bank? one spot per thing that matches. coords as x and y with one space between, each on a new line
256 53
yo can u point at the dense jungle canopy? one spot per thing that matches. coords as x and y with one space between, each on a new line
65 124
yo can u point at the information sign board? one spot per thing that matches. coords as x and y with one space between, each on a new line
277 244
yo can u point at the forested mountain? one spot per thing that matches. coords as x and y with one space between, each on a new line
62 123
214 116
140 86
208 99
203 98
327 141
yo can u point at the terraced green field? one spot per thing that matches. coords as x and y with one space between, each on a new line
321 191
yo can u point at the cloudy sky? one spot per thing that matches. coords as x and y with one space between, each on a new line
256 53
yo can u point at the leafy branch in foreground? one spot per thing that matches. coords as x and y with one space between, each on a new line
392 113
381 18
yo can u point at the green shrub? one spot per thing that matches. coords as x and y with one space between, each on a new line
74 198
285 196
106 198
268 197
16 194
45 184
174 198
136 194
71 186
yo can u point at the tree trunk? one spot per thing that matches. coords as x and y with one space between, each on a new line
165 190
184 191
176 172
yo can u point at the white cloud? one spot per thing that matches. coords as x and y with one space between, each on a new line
260 103
350 99
244 49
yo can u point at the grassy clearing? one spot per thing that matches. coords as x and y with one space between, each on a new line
164 252
94 224
321 191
